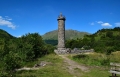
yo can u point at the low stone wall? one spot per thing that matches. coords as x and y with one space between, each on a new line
69 51
81 51
61 51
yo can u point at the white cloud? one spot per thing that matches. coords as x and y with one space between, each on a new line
6 22
106 24
117 24
92 23
99 22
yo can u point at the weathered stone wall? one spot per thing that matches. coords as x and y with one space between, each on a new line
81 51
69 51
60 51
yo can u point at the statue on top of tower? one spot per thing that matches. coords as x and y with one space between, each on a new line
60 14
61 17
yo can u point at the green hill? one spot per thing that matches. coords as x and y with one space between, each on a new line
52 36
69 34
104 40
5 35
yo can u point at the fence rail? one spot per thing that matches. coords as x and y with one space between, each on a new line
115 69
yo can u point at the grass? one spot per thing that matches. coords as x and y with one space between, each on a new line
97 59
97 72
115 57
54 69
94 61
98 63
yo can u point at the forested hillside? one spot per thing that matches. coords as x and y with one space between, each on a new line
16 52
52 36
5 35
104 40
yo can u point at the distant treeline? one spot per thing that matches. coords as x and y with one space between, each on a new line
104 41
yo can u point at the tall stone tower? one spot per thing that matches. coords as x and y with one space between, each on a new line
61 35
61 32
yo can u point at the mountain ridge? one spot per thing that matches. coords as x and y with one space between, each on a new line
69 34
5 35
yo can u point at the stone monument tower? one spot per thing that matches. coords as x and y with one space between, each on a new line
61 35
61 49
61 32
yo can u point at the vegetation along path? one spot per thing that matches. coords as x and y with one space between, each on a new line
73 67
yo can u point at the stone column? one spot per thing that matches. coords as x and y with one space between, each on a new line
61 32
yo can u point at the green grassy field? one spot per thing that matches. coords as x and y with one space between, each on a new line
56 67
98 63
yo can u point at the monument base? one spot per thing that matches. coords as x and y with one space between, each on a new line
61 51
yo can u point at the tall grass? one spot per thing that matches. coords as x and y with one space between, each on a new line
97 63
115 57
92 59
54 69
97 59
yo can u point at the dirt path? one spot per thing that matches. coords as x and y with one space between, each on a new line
73 67
69 65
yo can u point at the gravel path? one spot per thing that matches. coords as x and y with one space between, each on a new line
73 67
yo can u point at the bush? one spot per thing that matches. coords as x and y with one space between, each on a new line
17 52
11 62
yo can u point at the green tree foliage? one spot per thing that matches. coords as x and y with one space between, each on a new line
15 52
36 41
104 40
11 62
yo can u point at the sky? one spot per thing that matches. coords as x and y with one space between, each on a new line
19 17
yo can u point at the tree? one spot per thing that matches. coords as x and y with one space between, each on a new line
109 34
